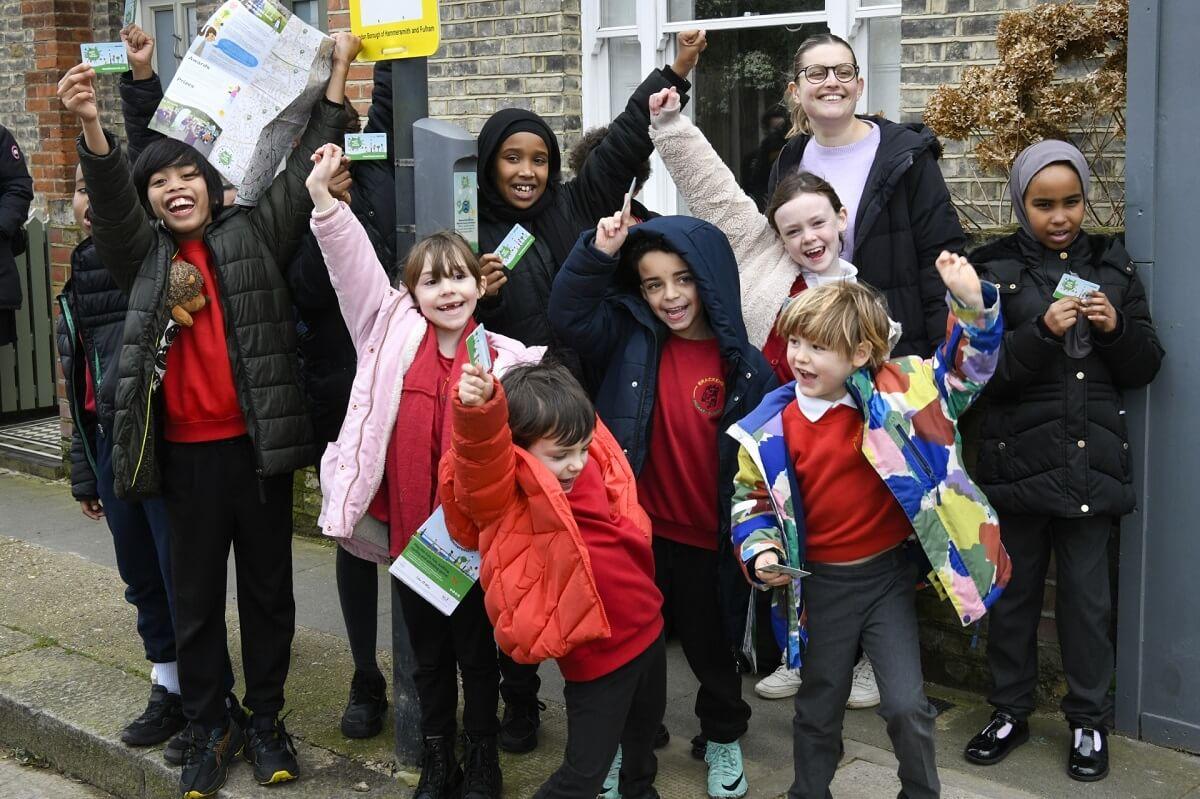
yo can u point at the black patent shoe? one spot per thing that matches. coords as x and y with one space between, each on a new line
987 747
1087 761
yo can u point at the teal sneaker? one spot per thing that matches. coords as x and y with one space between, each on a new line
726 777
612 783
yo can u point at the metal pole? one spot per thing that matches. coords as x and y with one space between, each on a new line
410 93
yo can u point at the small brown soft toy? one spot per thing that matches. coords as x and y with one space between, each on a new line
185 292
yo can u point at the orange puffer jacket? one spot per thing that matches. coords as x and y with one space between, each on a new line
539 590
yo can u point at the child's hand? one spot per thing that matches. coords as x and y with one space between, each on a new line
769 578
1100 312
664 106
960 278
690 45
340 183
139 47
611 233
328 159
92 509
494 274
476 386
345 48
1061 315
78 93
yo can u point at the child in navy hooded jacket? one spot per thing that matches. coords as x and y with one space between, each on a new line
654 312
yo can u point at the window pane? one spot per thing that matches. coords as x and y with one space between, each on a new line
883 82
682 10
624 71
614 13
307 11
738 92
164 38
867 3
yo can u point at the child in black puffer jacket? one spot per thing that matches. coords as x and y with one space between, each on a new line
1054 456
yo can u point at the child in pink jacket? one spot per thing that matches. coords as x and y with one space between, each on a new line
379 479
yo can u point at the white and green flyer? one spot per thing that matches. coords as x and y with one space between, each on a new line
435 567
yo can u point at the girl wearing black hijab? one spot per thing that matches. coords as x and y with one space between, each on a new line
520 182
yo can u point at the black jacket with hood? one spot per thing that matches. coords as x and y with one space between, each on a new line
327 357
1053 435
621 340
904 220
247 247
16 193
565 209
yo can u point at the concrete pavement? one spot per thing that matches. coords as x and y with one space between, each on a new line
72 674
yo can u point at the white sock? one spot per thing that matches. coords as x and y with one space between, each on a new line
166 675
1096 745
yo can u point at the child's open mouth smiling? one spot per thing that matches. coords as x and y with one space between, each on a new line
181 206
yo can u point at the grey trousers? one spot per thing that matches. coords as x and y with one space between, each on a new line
872 602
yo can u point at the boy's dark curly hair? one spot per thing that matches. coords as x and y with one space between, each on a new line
583 148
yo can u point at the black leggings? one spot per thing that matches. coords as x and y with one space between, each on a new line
358 592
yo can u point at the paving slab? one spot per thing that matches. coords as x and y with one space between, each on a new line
72 673
31 781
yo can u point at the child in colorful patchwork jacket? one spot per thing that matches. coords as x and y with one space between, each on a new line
837 471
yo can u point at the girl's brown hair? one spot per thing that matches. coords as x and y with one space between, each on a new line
799 118
840 316
792 186
443 251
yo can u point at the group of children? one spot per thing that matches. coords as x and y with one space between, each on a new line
680 413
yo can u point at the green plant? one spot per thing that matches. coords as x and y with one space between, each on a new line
1061 76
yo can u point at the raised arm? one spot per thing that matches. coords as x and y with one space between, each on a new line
355 273
606 174
282 213
478 481
965 360
121 229
707 185
578 311
141 91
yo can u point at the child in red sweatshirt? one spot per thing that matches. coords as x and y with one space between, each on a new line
542 489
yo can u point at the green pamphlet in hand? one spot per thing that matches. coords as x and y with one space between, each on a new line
1072 285
477 349
515 244
366 146
105 57
435 567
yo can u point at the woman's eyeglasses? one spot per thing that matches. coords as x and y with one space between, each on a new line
818 72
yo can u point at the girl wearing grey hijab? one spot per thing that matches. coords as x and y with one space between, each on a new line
1054 452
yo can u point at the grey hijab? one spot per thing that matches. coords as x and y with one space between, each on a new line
1034 159
1077 342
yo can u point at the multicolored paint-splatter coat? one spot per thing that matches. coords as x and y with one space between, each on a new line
910 407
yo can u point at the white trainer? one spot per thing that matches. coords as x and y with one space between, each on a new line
864 691
779 684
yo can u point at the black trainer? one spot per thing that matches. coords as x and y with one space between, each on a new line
162 718
270 750
206 762
363 717
519 727
441 777
176 749
481 768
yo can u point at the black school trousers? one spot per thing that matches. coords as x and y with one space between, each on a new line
1082 608
625 708
442 648
215 500
687 577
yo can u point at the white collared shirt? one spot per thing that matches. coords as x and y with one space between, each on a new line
814 408
843 270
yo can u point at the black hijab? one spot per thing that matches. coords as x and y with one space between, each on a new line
540 218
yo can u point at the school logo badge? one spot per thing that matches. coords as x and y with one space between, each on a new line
708 396
16 153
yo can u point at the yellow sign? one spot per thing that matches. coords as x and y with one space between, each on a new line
395 28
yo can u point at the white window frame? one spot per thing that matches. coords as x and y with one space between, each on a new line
655 37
